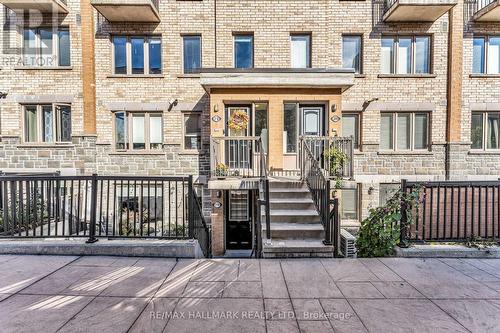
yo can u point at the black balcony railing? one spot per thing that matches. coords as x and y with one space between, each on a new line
480 4
101 206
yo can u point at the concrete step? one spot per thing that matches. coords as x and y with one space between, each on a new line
295 216
305 248
291 193
292 203
295 230
287 185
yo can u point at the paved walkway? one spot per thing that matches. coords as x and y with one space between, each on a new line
109 294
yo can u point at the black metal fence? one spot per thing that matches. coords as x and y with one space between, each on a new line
455 211
102 206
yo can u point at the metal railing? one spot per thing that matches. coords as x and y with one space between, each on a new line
263 205
319 185
319 145
454 211
389 4
237 156
480 4
101 206
156 4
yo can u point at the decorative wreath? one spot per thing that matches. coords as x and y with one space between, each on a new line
238 120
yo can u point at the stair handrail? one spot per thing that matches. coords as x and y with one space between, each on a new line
263 201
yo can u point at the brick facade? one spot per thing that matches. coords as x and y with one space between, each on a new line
271 23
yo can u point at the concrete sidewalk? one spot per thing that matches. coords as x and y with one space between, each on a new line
117 294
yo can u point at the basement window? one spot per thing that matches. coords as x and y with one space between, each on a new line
48 123
349 207
404 131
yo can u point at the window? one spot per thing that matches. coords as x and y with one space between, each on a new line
300 51
485 130
349 207
290 128
46 47
350 127
47 123
192 54
137 55
386 192
238 206
243 51
138 130
260 124
192 131
405 55
486 55
351 53
404 131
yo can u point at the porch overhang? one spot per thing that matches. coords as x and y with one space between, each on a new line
144 11
43 6
276 78
490 12
416 10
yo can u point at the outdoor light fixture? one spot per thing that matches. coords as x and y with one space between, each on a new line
334 108
3 95
216 108
173 102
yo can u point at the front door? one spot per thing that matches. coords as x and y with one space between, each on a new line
239 150
238 223
312 125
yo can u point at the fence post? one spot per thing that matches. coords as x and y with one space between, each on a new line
190 207
403 224
326 215
336 227
268 210
93 210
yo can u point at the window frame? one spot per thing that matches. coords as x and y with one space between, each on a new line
413 58
183 36
56 123
358 115
129 134
243 34
185 135
357 209
484 136
412 131
128 55
309 49
55 46
486 39
361 53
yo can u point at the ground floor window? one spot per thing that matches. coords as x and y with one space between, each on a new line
47 123
192 131
351 127
138 130
485 130
349 206
404 131
386 192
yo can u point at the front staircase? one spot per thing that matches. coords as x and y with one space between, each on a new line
296 228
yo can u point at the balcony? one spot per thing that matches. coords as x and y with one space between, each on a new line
416 10
145 11
486 11
43 6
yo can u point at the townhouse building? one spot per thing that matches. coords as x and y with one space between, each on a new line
225 90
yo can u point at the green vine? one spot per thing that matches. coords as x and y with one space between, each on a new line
380 232
337 159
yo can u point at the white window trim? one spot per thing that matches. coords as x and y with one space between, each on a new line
308 50
361 56
129 130
182 48
485 59
38 42
485 132
128 51
184 134
39 123
412 131
395 54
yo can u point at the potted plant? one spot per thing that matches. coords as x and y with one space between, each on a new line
221 170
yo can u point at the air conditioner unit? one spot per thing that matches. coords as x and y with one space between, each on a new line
347 244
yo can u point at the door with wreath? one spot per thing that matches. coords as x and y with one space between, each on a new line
239 150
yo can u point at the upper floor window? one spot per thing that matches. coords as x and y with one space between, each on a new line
47 123
243 51
137 55
486 55
405 55
138 130
351 127
46 47
352 53
192 54
404 131
300 51
485 130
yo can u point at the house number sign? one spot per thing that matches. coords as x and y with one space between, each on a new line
335 119
217 204
216 119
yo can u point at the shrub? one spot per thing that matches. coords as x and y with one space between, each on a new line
380 231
